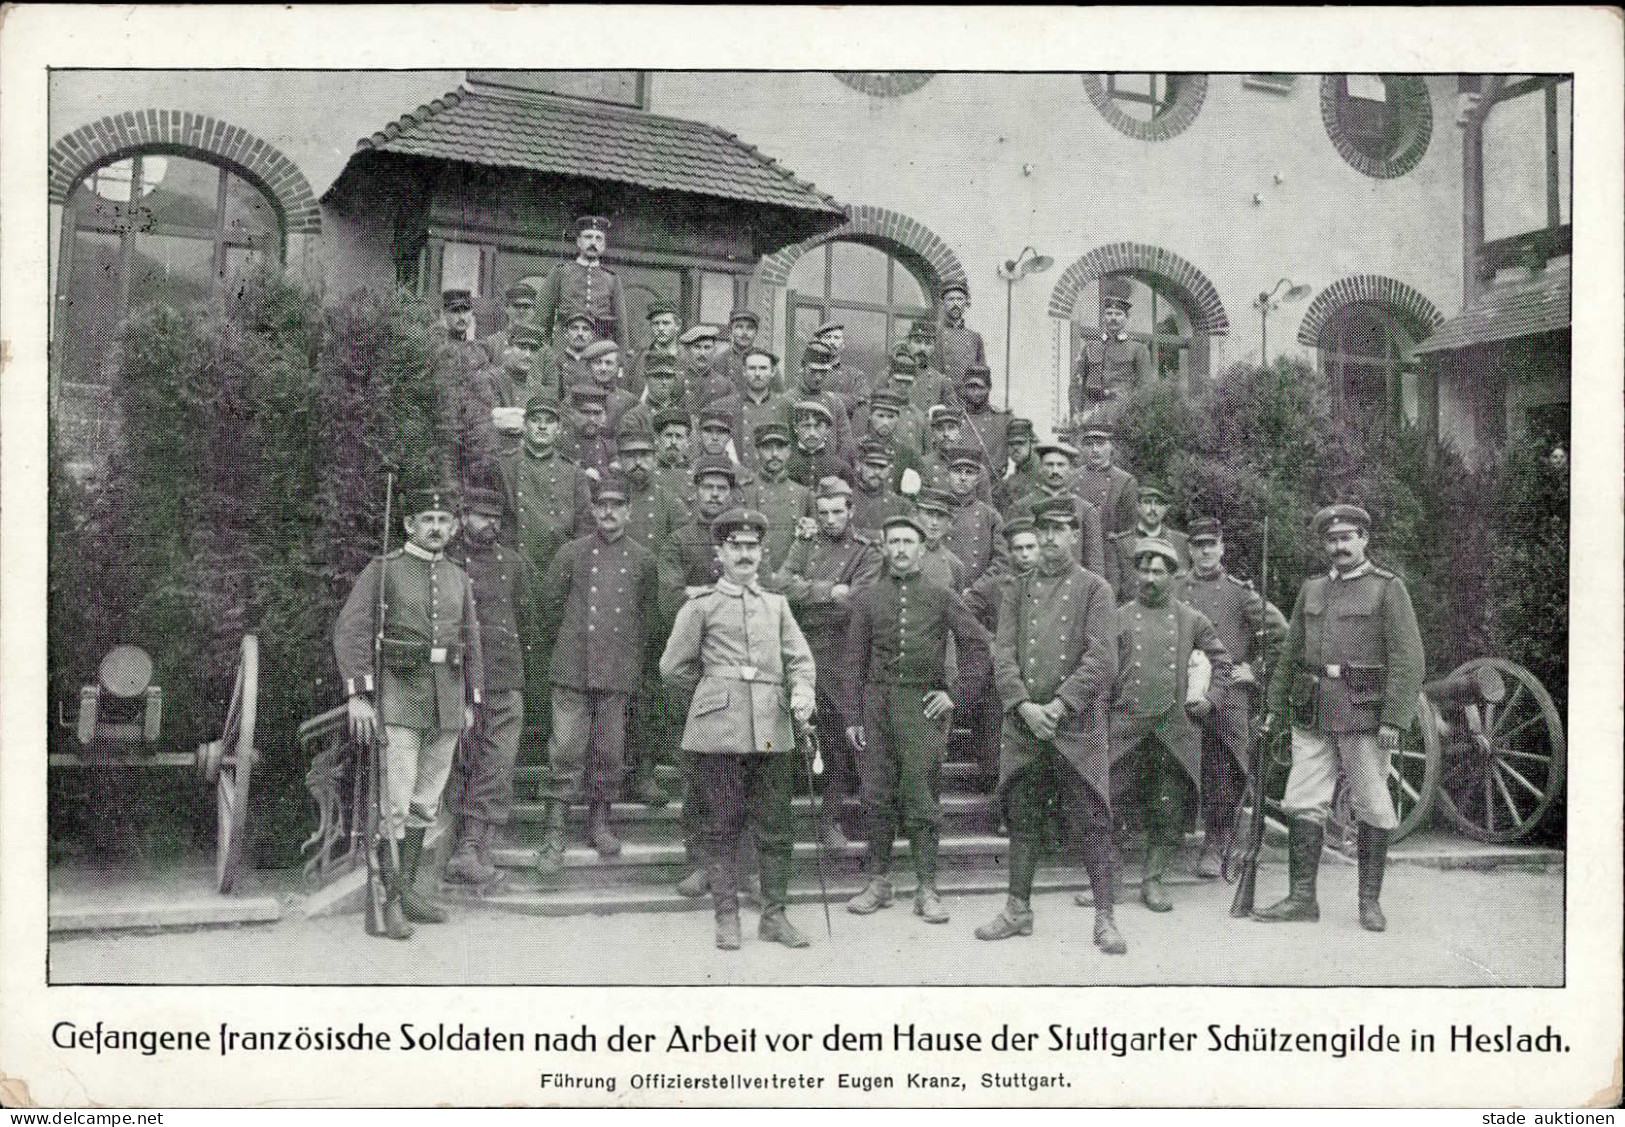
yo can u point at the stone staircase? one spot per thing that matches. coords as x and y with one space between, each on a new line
971 855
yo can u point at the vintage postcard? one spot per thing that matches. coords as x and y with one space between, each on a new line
558 556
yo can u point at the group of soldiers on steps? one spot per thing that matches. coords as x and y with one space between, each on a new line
689 552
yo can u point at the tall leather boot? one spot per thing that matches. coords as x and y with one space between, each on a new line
598 832
722 869
775 927
922 842
394 922
1373 858
1017 917
1304 840
877 894
416 907
1152 894
550 858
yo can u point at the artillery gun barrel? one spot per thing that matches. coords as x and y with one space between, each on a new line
1482 685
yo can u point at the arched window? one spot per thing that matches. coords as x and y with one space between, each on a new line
875 294
1159 319
1365 355
153 228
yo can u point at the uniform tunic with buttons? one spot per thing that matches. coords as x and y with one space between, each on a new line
782 502
636 372
1015 487
812 570
503 581
989 424
599 597
976 536
1154 647
551 497
741 653
957 349
1114 492
1363 620
1110 368
428 602
1057 638
652 514
589 288
1242 621
933 470
898 635
811 467
1091 548
560 370
678 481
594 453
869 509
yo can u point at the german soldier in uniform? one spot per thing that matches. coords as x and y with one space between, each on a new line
564 365
433 679
584 284
588 444
743 326
660 393
987 425
1056 663
673 429
738 650
698 344
503 585
958 347
896 711
899 427
824 569
717 438
1154 748
1055 464
1250 629
1112 366
599 604
1351 671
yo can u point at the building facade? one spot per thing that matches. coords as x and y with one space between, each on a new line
869 191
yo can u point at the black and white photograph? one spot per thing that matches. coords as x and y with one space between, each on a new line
760 525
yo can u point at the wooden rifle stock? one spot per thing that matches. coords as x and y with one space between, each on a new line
1241 905
375 753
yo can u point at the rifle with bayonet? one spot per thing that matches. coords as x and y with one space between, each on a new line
1254 796
383 853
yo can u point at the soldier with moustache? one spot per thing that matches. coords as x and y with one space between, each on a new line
717 437
599 604
1056 462
653 516
1121 570
433 680
786 502
947 432
958 346
673 429
759 405
1111 365
1251 630
897 426
873 498
502 583
564 365
738 651
1348 681
1022 476
896 710
815 455
519 302
457 322
817 361
825 567
699 344
931 384
584 284
664 328
1056 661
493 408
551 502
1156 749
589 444
851 383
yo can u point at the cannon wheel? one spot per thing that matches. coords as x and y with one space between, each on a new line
236 767
1499 782
1413 782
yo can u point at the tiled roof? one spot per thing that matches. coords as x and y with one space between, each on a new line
1540 305
601 142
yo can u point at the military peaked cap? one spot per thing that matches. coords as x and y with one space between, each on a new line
717 417
818 355
961 454
744 315
611 486
902 520
771 432
434 499
716 464
525 333
1055 510
456 300
659 364
542 403
659 307
486 502
697 334
520 291
588 393
1096 430
673 416
1019 524
814 407
735 521
633 440
875 452
1205 528
941 413
599 223
1333 517
599 348
951 287
931 500
1117 290
1155 489
979 373
888 400
1156 546
904 364
828 327
1019 428
923 331
576 313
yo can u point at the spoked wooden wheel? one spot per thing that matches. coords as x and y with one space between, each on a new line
1413 782
1506 762
229 763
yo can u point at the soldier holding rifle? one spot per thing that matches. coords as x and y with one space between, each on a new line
417 608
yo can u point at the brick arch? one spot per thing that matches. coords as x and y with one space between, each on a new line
1414 311
1186 282
889 230
184 133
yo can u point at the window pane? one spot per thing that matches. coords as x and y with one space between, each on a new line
171 270
1515 166
180 193
1137 85
1367 86
91 308
1565 145
807 275
906 289
805 323
716 298
113 182
857 273
460 268
250 218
